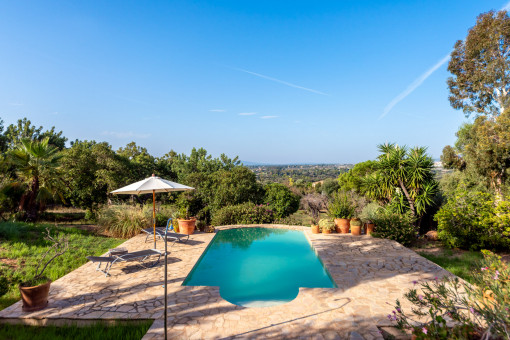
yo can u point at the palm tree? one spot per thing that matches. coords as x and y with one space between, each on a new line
37 170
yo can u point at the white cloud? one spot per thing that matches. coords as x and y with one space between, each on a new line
506 7
268 117
281 81
247 113
216 110
123 135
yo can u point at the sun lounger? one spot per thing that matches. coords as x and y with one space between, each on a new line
139 256
168 232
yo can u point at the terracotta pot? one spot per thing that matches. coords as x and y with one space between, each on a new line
342 225
187 226
35 298
326 231
356 230
370 228
315 229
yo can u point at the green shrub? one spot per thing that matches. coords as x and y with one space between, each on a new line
281 199
244 213
122 220
394 226
470 220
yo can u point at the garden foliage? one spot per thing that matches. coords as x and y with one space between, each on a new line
471 220
478 311
281 199
394 226
245 213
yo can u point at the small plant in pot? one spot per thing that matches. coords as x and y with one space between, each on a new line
368 216
35 290
355 226
327 225
341 209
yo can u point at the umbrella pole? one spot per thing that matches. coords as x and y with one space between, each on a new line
166 284
154 214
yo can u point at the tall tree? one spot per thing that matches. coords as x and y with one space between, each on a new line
37 168
91 170
481 67
3 139
24 129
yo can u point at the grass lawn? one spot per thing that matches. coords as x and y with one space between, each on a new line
458 262
95 332
22 246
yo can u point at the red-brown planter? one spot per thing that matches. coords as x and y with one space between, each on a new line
356 230
187 226
342 225
326 231
36 297
370 228
315 229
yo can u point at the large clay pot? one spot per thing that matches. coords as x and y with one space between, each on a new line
187 226
315 229
36 297
356 230
342 225
370 228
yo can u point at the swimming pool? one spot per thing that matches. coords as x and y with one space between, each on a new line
259 267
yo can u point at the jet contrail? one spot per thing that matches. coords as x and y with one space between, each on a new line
414 85
281 81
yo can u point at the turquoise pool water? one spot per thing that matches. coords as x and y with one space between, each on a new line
258 267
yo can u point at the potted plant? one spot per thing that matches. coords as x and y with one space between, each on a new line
355 226
341 209
35 290
186 222
327 225
368 216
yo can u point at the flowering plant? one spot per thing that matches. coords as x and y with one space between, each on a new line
451 309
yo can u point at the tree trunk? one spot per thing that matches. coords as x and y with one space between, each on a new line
31 207
409 199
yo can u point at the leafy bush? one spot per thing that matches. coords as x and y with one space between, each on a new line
123 220
341 206
356 222
281 199
394 226
479 311
244 213
470 220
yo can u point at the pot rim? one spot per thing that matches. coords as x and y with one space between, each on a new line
32 287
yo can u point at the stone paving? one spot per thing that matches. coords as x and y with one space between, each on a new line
370 274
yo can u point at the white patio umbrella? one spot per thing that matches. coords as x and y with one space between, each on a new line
152 185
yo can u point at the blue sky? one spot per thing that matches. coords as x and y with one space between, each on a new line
270 81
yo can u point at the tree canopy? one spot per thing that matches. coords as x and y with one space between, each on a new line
481 67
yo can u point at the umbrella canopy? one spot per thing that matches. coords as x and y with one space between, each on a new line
151 185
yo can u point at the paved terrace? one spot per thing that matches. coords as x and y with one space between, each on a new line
370 274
